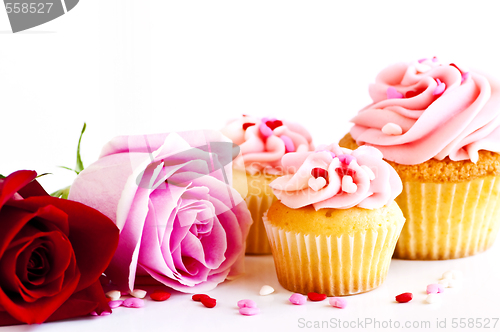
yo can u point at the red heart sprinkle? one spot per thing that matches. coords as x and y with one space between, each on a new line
411 93
319 172
159 295
316 296
198 297
208 302
247 124
345 171
274 124
405 297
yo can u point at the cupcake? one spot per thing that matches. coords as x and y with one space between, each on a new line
335 225
438 124
262 142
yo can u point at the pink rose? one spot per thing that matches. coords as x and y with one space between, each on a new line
180 220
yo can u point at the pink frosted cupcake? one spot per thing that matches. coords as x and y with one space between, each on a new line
335 225
263 143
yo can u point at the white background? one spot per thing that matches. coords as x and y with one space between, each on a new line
136 67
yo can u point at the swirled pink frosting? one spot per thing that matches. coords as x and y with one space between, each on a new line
264 141
338 178
426 109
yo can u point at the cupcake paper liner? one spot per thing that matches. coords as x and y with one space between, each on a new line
257 242
448 220
335 266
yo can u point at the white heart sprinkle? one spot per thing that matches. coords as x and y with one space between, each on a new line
421 67
114 295
433 298
316 184
266 290
453 274
369 172
139 293
348 185
392 129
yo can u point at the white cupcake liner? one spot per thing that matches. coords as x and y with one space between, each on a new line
448 220
335 266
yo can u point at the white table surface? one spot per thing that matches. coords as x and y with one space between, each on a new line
477 299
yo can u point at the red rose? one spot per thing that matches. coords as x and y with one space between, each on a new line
52 253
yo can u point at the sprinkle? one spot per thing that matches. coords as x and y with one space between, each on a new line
440 88
247 124
434 59
266 290
159 295
404 297
392 93
139 293
133 303
412 93
318 172
338 302
422 60
453 274
198 297
341 171
265 130
348 185
246 304
316 296
465 76
392 129
433 298
208 302
289 146
346 158
297 299
435 288
114 295
368 172
246 311
104 313
115 304
273 124
316 183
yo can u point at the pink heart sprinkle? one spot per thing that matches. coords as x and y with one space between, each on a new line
422 60
289 146
465 76
133 303
247 304
337 302
246 311
392 93
440 88
346 158
434 59
297 299
265 130
115 304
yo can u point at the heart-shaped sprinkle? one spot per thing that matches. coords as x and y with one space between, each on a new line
404 297
465 76
265 130
392 93
247 124
346 158
345 171
133 303
289 146
316 296
434 59
433 298
338 302
198 297
435 288
274 124
115 304
422 60
318 172
249 311
208 302
139 293
316 183
159 295
246 304
392 129
368 172
411 93
114 295
297 299
348 185
440 88
266 290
